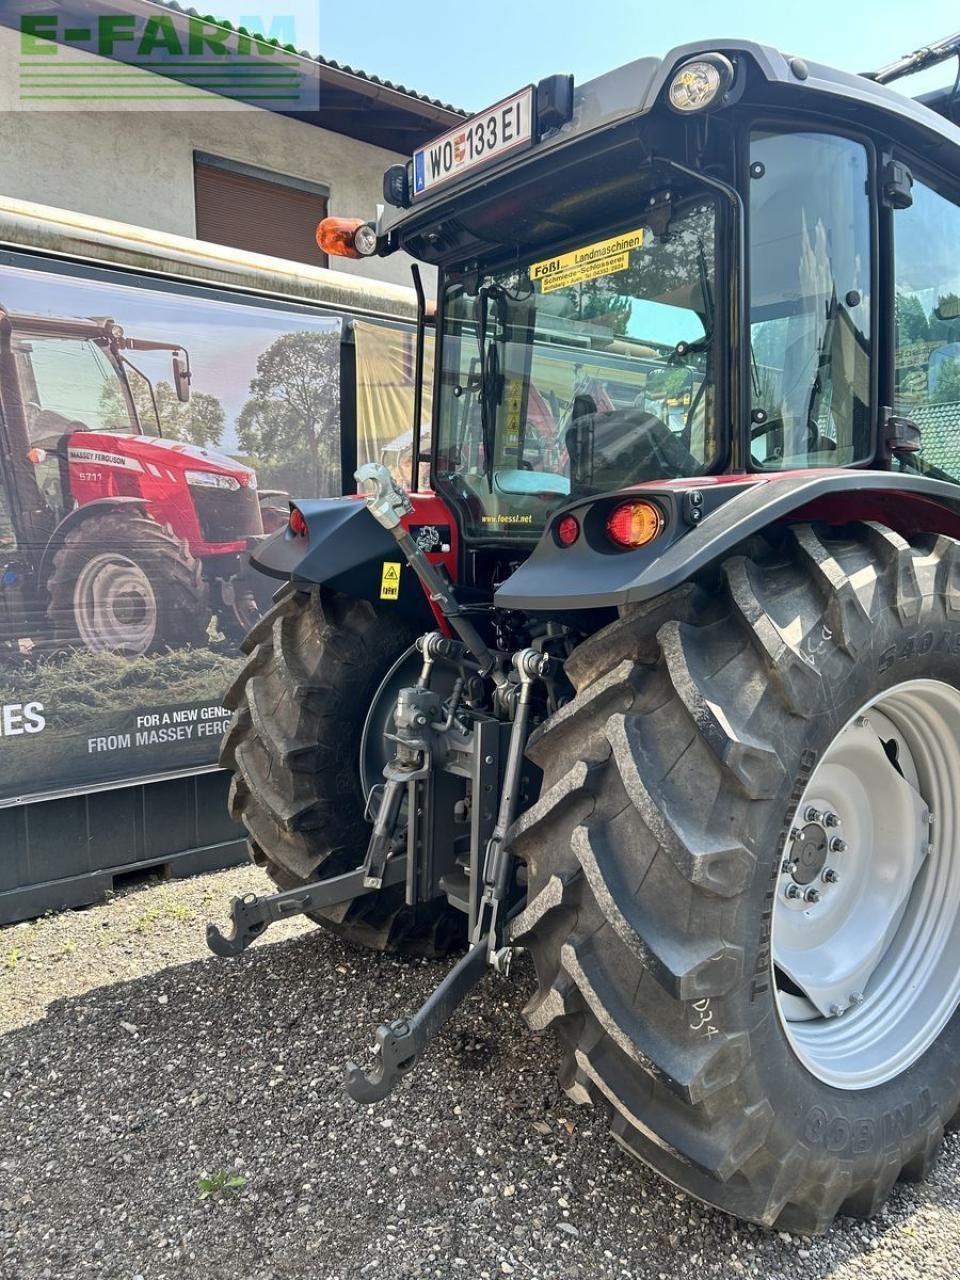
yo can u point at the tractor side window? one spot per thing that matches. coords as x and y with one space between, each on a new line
927 362
809 301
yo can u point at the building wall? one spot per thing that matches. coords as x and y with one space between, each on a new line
137 165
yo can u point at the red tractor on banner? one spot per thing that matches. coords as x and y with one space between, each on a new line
116 539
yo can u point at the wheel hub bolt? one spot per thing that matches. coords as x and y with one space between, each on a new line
830 876
856 997
837 845
812 815
862 722
793 891
788 867
831 820
837 1010
812 895
795 833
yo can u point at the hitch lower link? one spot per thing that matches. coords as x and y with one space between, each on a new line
400 1043
251 915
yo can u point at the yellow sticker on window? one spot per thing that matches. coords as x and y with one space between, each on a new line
390 581
589 262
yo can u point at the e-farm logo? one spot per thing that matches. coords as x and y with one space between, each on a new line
167 58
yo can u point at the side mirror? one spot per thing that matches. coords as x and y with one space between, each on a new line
948 307
181 375
901 436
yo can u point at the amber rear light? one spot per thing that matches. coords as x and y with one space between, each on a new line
567 530
634 524
297 524
335 236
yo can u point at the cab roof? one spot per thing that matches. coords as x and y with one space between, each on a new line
778 79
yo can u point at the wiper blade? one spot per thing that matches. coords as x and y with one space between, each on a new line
490 397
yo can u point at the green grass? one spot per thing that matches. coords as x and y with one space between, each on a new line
71 688
216 1184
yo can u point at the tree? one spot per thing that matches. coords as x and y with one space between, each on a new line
292 421
200 421
912 322
666 384
947 389
610 309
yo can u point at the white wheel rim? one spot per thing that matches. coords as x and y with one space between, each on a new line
867 965
114 605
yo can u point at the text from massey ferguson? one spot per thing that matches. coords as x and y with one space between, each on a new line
154 728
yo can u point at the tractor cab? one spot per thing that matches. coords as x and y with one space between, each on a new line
728 262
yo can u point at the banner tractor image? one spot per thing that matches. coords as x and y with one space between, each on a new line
124 541
659 680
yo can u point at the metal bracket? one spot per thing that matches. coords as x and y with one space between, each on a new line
386 501
251 916
400 1043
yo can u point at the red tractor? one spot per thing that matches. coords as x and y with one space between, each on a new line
116 539
672 703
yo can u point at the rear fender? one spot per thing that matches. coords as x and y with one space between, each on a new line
704 519
346 550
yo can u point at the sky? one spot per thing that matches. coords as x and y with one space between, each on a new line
224 339
472 54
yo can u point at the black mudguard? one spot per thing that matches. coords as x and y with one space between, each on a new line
346 550
593 573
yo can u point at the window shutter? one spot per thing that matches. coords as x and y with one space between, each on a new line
258 215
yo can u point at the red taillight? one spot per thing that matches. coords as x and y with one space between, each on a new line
567 530
634 524
335 236
298 526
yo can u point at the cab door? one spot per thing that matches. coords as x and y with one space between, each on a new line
926 355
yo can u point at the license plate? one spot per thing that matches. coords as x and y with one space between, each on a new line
501 128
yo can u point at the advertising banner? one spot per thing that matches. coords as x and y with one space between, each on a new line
386 365
148 439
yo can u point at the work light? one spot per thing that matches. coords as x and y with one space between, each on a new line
700 82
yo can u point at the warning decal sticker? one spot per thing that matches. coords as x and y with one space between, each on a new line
587 263
390 581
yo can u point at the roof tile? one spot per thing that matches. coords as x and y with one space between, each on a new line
319 58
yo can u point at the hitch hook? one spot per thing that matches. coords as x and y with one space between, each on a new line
400 1043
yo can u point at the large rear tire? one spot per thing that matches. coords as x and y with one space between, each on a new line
662 846
316 660
122 583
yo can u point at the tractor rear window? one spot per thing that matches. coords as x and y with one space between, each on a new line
579 371
810 241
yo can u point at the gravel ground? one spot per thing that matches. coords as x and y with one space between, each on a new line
133 1065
